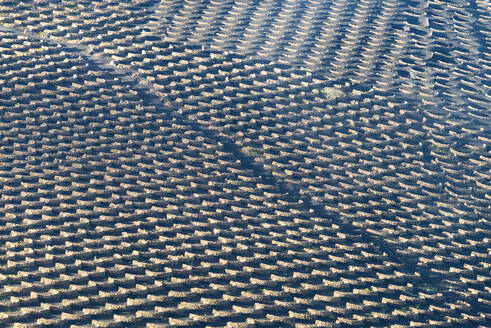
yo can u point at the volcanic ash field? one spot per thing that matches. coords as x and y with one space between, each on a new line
244 163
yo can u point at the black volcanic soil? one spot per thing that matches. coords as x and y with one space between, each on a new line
245 164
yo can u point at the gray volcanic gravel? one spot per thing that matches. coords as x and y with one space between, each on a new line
245 163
